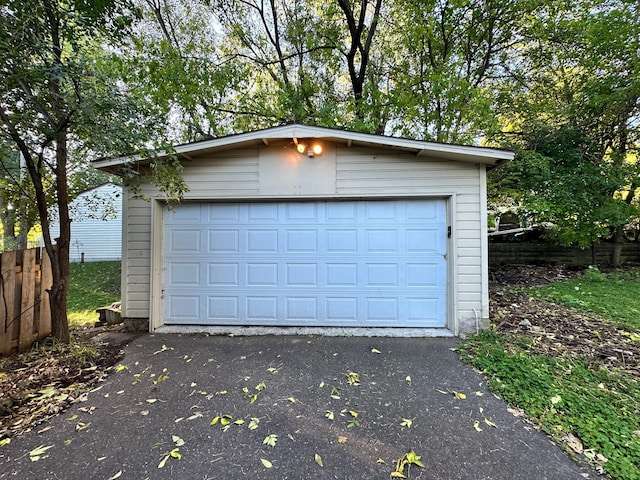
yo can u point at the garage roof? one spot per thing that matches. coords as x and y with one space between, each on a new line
488 156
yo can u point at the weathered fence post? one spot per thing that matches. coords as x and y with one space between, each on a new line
25 277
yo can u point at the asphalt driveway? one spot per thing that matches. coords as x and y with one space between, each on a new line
288 408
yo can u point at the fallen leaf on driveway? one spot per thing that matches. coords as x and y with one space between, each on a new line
38 453
459 395
342 439
318 460
266 463
490 423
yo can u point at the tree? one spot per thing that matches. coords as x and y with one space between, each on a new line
57 101
17 213
576 106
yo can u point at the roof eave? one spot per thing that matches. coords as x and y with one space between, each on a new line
484 155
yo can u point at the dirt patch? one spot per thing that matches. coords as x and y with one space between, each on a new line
556 329
40 383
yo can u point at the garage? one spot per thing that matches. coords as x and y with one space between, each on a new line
302 229
379 263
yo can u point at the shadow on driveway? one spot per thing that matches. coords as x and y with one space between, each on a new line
170 387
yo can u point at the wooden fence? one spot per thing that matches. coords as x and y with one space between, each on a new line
524 252
25 315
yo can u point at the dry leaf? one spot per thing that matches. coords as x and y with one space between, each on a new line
375 350
490 423
342 439
266 463
117 475
318 460
574 443
459 395
476 425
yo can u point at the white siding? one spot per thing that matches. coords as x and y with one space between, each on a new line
96 226
350 173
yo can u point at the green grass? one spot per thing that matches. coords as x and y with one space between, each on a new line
562 394
614 296
93 285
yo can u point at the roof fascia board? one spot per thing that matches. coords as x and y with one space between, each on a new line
422 149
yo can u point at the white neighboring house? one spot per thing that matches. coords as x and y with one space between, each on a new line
96 224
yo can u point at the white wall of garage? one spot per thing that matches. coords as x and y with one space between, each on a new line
276 171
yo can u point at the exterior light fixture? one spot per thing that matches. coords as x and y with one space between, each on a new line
311 150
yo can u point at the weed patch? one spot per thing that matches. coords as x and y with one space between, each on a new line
566 399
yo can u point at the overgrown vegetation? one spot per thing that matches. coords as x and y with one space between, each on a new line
615 296
587 404
93 285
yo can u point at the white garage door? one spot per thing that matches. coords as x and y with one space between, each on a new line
327 263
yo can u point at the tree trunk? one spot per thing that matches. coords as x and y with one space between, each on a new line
618 240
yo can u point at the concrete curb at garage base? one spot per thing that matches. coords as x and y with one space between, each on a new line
170 387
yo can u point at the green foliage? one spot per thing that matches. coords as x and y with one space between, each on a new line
93 285
614 296
561 181
563 396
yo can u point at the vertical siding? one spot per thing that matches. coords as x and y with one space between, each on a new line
359 173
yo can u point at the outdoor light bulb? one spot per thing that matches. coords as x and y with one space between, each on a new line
317 149
301 147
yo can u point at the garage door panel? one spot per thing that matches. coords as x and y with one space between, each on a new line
341 275
259 241
185 241
223 309
381 274
223 274
304 212
376 211
381 240
302 241
263 212
184 308
223 212
342 241
342 309
353 263
302 309
341 212
184 273
224 241
262 309
301 274
262 274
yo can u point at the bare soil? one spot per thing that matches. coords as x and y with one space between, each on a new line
554 329
40 383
